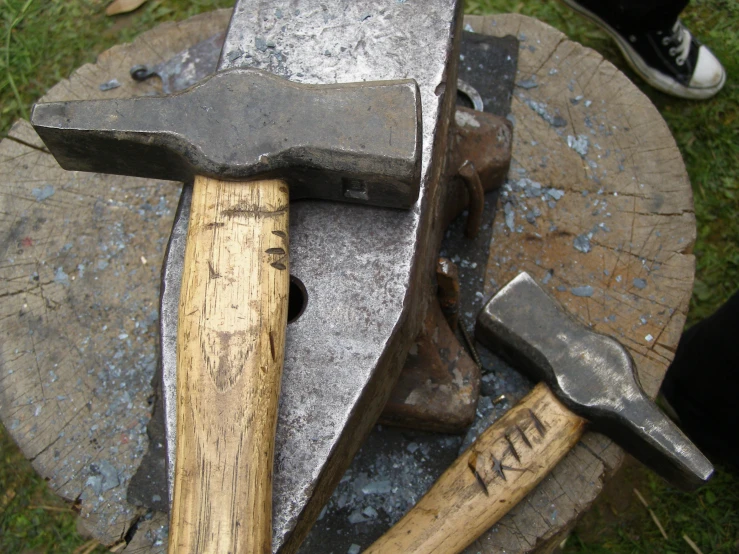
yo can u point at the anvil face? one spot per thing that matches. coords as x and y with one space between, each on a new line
366 270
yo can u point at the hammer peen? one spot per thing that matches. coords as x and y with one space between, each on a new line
244 136
584 376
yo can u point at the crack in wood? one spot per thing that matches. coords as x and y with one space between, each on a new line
29 145
241 211
213 273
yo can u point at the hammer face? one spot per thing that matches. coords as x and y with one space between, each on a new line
592 374
352 142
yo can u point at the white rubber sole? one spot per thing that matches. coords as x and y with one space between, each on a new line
658 80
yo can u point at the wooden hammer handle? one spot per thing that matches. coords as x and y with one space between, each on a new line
508 460
230 346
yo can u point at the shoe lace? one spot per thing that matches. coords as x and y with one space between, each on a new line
681 39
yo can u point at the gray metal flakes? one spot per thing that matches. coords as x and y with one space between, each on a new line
556 194
541 109
510 216
377 487
579 144
528 83
61 277
582 243
110 85
42 193
585 291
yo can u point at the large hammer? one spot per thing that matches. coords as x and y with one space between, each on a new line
584 377
356 142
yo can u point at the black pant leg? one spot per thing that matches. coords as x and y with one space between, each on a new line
627 15
702 384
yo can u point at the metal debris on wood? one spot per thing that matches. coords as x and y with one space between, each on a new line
582 243
110 85
579 144
554 120
584 291
528 83
42 193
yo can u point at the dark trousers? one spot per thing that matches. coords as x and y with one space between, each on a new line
637 14
702 384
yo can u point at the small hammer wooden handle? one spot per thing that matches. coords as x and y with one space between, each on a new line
230 346
508 460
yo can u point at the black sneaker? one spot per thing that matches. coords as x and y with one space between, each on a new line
670 59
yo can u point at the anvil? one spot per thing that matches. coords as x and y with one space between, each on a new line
366 271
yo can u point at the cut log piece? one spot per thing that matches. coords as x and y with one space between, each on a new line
598 209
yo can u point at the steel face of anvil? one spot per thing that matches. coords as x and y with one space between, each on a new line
367 271
354 142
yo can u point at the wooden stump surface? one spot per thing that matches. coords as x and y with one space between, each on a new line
82 254
79 300
599 210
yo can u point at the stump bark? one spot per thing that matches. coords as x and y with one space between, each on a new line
79 287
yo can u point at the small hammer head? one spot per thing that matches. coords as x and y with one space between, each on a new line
356 142
592 374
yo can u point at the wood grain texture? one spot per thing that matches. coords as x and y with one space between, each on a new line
505 462
630 192
230 352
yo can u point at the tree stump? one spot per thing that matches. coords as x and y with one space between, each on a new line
605 222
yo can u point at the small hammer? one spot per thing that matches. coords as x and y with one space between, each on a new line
584 376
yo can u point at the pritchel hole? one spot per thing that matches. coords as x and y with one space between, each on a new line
297 299
464 100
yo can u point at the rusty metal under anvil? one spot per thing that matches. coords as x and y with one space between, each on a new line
480 157
427 397
439 385
447 280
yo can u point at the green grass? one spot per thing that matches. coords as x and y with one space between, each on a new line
43 41
620 524
32 518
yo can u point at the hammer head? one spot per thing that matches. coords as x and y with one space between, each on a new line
592 374
357 142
